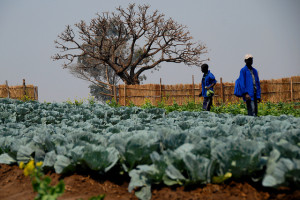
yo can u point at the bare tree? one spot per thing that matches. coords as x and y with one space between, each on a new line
160 40
102 77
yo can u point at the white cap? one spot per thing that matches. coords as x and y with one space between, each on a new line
248 56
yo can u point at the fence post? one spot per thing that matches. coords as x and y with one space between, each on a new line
125 94
222 90
160 92
193 89
200 87
24 87
7 88
292 98
36 93
115 93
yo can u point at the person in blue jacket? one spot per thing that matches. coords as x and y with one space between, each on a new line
250 85
208 82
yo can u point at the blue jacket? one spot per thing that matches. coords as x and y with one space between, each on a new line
209 79
246 83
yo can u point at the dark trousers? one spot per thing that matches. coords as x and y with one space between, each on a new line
207 102
252 106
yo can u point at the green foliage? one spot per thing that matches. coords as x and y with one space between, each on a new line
153 147
264 108
113 103
233 108
147 104
90 100
77 102
131 104
41 183
277 109
26 98
221 179
161 104
189 106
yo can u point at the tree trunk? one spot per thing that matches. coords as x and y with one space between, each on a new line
129 80
132 82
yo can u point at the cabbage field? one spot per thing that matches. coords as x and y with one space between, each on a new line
150 145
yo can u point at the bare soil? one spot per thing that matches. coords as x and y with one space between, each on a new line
14 185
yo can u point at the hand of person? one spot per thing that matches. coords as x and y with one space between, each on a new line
248 98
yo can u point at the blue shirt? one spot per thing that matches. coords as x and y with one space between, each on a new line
246 83
207 80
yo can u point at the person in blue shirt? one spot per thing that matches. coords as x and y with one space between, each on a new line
208 82
250 85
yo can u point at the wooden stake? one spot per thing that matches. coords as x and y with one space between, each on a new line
292 98
115 93
34 96
222 90
160 90
36 93
124 94
193 89
24 87
7 88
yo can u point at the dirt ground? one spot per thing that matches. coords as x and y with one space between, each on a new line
14 185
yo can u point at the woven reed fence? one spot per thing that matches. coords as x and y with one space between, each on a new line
19 91
275 90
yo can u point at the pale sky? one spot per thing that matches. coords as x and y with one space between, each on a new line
267 29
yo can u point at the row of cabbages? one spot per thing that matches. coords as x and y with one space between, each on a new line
177 148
